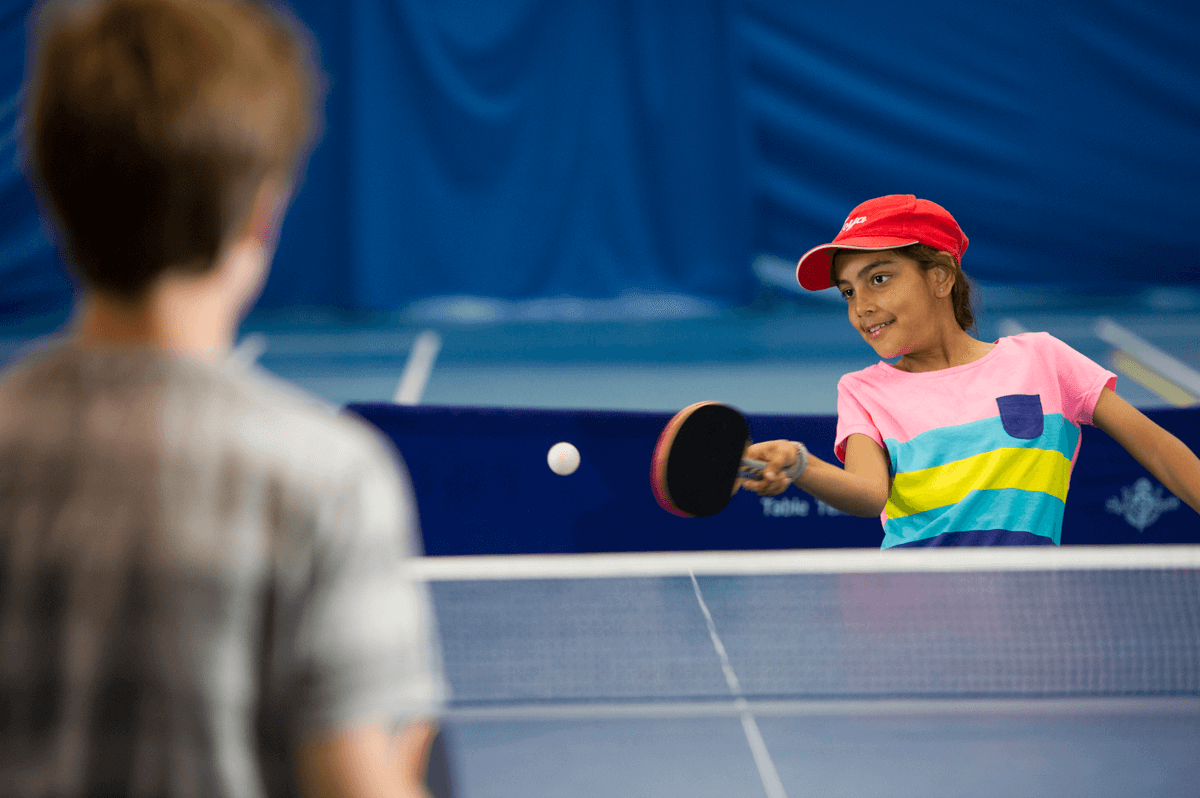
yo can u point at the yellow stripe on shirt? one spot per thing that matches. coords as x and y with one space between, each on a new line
1025 469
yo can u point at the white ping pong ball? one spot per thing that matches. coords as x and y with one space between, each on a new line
563 458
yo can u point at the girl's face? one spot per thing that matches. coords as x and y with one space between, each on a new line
891 301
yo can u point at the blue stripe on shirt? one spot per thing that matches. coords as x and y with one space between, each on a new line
1010 508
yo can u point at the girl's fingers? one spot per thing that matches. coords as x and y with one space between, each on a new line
769 486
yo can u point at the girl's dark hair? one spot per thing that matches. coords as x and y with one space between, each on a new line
928 257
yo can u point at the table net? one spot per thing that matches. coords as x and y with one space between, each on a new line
819 625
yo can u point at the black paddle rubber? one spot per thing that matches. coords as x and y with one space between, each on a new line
704 458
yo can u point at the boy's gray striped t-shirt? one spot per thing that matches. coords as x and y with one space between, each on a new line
198 566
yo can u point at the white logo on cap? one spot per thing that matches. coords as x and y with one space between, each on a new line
851 222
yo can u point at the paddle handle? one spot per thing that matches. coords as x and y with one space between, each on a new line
751 468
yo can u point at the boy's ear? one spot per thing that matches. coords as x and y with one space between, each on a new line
266 217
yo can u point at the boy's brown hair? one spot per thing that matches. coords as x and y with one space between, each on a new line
151 125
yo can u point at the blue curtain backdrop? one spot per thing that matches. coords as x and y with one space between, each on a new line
1064 136
535 147
529 148
31 281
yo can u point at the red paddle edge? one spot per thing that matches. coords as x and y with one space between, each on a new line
658 465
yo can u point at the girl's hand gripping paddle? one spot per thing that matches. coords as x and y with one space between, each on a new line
699 459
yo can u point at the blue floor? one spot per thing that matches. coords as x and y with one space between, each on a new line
783 353
784 357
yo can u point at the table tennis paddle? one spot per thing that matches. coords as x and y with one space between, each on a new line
699 458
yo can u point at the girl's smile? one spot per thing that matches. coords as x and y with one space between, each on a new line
877 330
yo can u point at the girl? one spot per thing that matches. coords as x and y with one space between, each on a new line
959 442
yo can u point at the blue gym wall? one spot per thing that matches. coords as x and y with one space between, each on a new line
530 148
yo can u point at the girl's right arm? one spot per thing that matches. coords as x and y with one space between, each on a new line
861 488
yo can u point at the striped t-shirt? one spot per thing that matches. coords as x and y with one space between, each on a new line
980 454
200 568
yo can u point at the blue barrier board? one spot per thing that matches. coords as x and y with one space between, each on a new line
483 486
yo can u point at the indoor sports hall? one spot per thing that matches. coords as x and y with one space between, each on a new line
528 223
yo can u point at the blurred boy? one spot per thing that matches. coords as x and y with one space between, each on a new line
199 587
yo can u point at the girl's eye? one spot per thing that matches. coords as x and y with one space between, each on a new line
879 279
846 294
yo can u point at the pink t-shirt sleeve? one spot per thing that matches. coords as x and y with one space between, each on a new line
1080 379
852 418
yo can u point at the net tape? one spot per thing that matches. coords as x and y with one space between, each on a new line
980 623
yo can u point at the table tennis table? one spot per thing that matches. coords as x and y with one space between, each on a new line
1064 672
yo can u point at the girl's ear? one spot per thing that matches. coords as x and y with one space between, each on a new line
942 280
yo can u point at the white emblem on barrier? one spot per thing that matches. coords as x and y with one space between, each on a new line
1141 504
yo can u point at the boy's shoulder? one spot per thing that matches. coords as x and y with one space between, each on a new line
202 406
291 423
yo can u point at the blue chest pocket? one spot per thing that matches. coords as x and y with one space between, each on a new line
1021 415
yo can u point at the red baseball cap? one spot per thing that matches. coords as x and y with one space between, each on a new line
896 220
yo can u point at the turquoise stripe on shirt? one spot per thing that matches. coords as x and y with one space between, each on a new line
943 445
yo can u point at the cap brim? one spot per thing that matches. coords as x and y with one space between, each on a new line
812 270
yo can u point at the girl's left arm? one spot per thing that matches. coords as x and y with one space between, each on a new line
1166 457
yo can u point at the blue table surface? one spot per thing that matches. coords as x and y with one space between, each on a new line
1067 751
604 687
